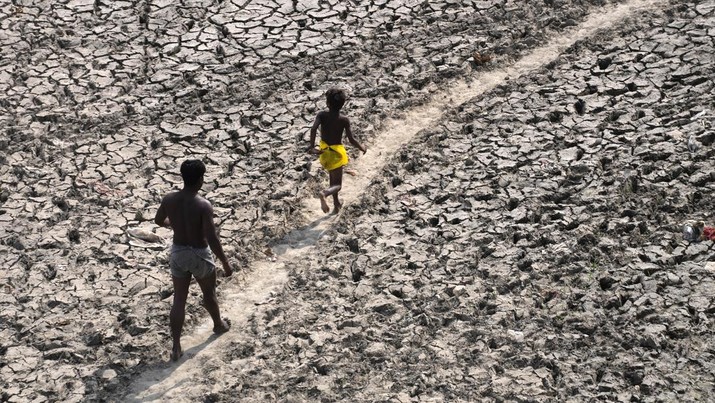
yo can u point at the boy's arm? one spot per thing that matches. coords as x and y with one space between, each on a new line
351 139
313 132
212 238
162 218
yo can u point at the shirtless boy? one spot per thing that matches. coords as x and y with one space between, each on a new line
333 156
191 218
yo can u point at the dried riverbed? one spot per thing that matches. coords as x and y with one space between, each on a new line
526 247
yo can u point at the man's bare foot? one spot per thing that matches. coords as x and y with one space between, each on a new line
223 328
336 209
176 354
351 172
323 203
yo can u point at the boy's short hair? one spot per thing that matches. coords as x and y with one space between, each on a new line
336 98
192 171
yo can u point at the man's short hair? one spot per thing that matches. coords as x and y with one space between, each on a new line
192 171
336 98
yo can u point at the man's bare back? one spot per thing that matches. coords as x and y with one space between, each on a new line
187 213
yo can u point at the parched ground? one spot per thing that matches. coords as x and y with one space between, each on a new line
524 249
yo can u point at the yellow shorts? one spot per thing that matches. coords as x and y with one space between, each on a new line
333 157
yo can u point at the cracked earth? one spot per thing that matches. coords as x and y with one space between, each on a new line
513 233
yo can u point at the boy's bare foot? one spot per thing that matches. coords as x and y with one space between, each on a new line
223 328
336 209
350 172
176 354
323 203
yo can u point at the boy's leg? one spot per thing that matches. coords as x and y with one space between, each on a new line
323 202
176 317
208 287
336 183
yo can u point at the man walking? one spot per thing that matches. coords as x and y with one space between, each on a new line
191 218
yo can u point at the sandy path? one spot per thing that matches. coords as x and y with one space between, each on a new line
265 278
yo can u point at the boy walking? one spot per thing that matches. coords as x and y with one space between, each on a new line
333 156
191 218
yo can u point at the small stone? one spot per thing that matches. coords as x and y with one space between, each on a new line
109 374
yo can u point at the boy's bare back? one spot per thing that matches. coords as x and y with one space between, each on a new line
332 127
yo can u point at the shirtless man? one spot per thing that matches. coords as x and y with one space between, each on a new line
191 218
333 156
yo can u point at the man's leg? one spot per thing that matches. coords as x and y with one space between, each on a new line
178 310
208 287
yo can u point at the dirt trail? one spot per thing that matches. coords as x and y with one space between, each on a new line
239 298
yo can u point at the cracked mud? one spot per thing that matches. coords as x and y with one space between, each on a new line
526 247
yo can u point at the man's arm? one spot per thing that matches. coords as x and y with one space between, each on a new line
162 218
313 132
351 139
209 229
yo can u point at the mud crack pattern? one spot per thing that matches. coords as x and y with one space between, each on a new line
568 233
